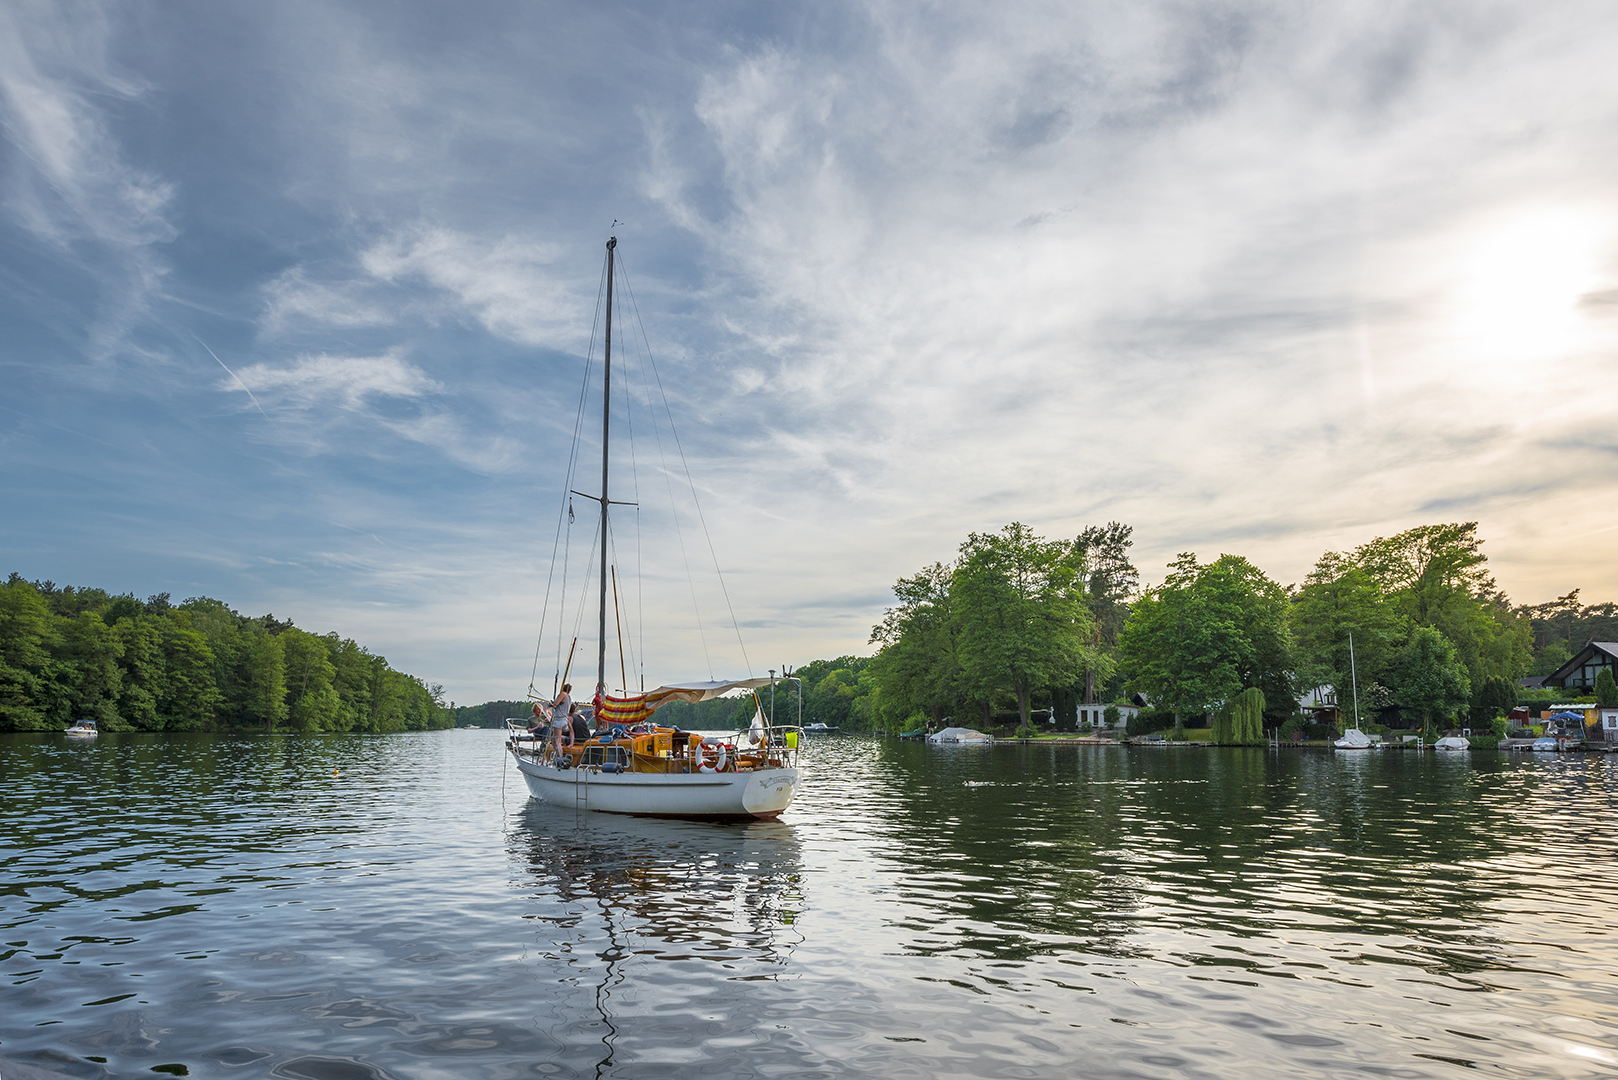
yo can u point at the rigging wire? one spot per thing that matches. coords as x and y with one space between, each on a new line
612 556
567 501
689 479
674 513
584 587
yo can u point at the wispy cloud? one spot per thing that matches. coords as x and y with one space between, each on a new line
68 182
1245 274
510 285
293 300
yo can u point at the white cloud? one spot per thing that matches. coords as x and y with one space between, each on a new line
347 382
509 285
293 299
76 183
1195 269
69 182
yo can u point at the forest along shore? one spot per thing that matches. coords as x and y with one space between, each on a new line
152 665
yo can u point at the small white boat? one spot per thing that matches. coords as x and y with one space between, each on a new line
1545 744
960 736
83 729
1353 739
818 728
1453 742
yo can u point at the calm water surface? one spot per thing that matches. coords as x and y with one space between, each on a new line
347 908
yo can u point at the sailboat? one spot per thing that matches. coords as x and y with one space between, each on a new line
638 766
1354 738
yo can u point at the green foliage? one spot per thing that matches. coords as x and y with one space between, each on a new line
1494 697
1021 621
1011 616
1606 689
1110 715
1341 604
70 653
29 692
1435 575
1147 721
1429 678
918 666
1110 580
1207 633
1241 723
1561 626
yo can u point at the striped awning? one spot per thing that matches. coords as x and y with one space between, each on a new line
629 710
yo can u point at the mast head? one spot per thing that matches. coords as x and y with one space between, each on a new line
612 242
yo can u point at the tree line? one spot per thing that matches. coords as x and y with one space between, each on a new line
1016 621
130 665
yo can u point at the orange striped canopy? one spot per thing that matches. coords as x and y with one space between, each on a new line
625 710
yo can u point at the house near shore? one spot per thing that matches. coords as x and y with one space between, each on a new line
1320 706
1095 713
1580 673
1582 667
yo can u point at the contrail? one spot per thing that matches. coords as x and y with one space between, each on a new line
235 376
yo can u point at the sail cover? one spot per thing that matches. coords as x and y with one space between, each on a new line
698 691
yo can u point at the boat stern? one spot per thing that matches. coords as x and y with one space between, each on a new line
770 792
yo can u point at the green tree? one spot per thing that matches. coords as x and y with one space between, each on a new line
1493 698
1207 633
1340 604
1022 622
1247 717
1429 678
190 694
1435 575
90 652
265 692
1110 580
28 688
918 666
145 674
1606 689
312 702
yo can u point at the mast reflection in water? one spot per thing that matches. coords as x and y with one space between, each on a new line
615 895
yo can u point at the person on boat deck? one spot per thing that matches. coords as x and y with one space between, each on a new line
559 716
580 730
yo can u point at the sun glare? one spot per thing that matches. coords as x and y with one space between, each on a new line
1521 284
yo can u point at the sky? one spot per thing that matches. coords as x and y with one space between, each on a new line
296 302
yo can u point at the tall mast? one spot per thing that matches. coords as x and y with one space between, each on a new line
606 421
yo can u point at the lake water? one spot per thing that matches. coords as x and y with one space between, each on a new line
345 908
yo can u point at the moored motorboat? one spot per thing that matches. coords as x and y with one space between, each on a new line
818 728
1453 742
83 729
960 736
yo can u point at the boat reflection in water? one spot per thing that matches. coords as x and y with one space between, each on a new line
628 904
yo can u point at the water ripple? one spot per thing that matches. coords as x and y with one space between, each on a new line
340 908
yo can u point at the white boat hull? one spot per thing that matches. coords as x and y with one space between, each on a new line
761 793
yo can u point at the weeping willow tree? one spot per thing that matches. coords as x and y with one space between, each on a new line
1241 722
